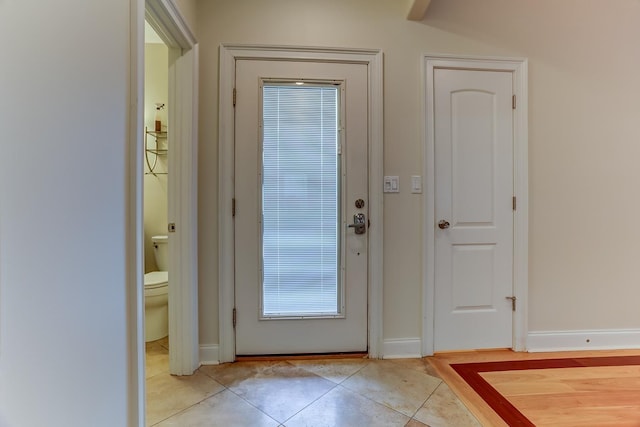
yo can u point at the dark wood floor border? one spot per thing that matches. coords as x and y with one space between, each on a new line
470 372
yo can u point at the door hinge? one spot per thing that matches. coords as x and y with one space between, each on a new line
514 203
513 303
234 317
233 207
234 96
513 102
171 228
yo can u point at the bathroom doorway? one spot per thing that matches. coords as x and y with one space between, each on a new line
168 167
155 202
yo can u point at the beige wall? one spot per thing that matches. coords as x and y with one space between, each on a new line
583 138
156 88
188 11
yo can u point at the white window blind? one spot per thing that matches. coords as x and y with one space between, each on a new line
300 193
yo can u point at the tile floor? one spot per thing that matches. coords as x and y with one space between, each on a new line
297 393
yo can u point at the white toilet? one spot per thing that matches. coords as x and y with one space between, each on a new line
156 293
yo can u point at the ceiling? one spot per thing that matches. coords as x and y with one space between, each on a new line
150 35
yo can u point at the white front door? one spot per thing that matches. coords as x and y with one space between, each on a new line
473 209
300 180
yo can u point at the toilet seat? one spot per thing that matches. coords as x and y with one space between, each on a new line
156 279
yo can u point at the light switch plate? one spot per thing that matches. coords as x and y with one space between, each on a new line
391 184
416 184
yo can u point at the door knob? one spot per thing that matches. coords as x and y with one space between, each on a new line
443 224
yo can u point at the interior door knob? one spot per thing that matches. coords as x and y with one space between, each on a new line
443 224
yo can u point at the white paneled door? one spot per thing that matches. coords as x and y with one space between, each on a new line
301 207
473 209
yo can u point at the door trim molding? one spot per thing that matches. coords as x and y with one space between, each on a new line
229 53
518 67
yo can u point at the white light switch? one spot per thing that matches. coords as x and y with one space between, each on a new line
391 184
416 184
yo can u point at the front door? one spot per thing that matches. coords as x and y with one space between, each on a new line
473 209
301 207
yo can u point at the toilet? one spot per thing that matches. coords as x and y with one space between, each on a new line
156 293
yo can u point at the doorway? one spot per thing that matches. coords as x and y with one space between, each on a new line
230 57
181 154
475 285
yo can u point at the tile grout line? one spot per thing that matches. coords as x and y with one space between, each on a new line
311 403
197 403
382 404
376 403
335 385
253 406
428 397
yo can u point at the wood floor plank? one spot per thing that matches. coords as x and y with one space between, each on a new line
567 380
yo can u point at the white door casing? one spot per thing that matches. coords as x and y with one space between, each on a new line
485 243
346 331
229 54
184 356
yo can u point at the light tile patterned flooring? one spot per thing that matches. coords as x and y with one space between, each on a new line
297 393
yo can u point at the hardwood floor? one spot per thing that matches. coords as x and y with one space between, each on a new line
595 388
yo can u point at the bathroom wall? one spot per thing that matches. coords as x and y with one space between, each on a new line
156 89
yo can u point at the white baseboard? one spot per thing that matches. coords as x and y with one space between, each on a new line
210 354
604 339
403 348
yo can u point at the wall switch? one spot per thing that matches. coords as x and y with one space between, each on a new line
391 184
416 184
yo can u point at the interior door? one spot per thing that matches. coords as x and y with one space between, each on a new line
301 207
473 209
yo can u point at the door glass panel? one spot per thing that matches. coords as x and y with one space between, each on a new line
300 201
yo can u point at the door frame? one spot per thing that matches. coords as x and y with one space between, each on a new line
518 68
229 53
165 18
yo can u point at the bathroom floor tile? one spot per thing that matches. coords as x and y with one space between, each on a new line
397 387
224 409
336 370
444 409
167 395
164 342
156 359
343 408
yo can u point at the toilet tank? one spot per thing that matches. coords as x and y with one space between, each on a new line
161 251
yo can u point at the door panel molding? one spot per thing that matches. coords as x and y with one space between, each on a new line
229 53
518 68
